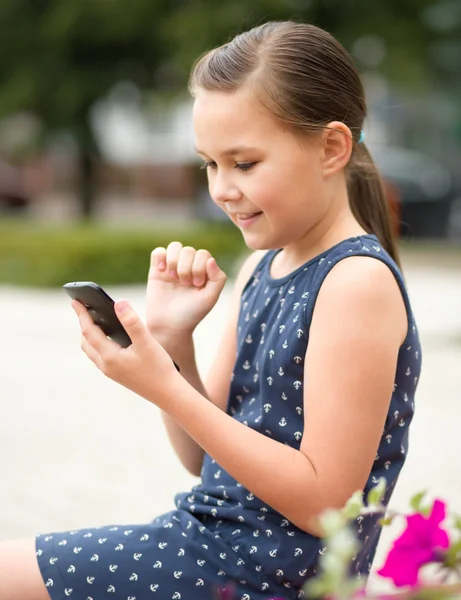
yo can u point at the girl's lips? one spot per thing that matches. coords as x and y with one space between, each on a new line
245 222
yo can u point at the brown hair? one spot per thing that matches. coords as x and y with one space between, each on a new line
305 77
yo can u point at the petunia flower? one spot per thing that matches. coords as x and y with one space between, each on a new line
418 545
226 593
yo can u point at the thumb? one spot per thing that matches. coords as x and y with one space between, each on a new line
131 322
214 273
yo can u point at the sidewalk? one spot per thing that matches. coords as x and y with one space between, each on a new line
78 450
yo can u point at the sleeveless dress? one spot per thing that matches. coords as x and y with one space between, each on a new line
221 534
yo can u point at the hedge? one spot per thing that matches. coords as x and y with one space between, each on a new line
35 255
48 256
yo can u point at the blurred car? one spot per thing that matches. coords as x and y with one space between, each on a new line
423 188
13 195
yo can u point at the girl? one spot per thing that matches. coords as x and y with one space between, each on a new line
312 390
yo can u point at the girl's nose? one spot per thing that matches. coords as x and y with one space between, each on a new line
223 190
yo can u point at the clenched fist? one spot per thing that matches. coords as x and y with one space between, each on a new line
183 286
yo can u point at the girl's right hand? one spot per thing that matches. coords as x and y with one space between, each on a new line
183 286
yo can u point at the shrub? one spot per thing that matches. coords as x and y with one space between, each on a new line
50 256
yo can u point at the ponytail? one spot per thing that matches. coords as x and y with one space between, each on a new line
368 201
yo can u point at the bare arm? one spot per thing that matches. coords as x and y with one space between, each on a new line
216 388
364 335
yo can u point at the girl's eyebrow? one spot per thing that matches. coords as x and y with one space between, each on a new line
231 151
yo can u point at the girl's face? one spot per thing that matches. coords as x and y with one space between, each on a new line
271 186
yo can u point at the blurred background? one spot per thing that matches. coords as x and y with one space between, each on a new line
97 168
95 120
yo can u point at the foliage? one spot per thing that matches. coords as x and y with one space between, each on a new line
49 257
57 59
425 541
406 35
69 54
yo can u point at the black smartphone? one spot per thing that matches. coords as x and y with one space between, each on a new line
101 308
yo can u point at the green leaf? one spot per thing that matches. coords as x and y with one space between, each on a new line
332 521
376 493
416 501
353 506
317 588
453 555
385 521
457 522
344 544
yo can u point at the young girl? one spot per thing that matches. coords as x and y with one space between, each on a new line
312 390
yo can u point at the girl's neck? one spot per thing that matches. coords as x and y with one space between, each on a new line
321 237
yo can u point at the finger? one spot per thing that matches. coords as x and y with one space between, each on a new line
172 257
90 331
90 352
214 273
158 259
132 323
185 262
199 274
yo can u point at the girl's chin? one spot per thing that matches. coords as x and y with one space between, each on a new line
255 242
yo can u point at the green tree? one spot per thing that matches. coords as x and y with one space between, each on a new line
58 57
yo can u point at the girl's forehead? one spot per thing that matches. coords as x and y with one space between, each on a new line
233 115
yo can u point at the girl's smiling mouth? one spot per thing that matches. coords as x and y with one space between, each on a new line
247 219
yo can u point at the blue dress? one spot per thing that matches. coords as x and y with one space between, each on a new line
220 532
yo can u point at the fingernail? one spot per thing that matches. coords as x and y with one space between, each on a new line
122 306
162 265
172 273
197 282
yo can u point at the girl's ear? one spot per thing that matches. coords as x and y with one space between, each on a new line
337 147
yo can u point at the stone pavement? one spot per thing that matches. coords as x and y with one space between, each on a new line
78 450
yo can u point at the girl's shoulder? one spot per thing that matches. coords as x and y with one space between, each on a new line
366 245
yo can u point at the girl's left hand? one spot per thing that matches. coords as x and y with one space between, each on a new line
144 367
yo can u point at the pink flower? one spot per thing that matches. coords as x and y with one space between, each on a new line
417 546
226 593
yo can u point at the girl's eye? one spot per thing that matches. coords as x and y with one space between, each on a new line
241 166
245 166
208 165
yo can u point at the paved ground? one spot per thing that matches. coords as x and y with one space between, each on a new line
77 450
